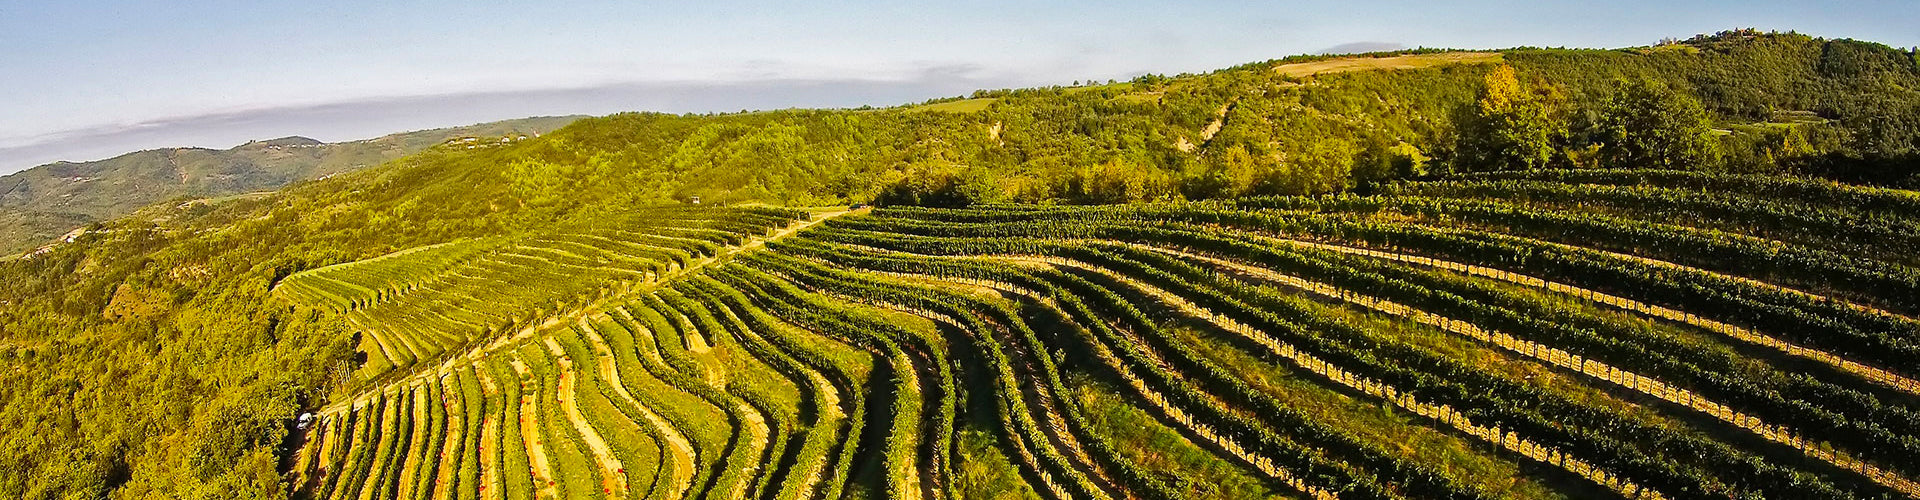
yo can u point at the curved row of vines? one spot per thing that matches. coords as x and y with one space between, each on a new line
1639 335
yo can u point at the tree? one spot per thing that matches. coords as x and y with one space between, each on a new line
1646 124
1508 127
941 185
539 183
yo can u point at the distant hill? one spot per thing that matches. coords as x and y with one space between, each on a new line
43 202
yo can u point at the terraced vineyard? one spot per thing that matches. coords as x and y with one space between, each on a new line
431 302
1538 335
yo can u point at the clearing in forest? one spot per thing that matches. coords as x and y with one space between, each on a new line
1409 61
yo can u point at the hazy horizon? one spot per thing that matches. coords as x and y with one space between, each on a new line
371 118
108 78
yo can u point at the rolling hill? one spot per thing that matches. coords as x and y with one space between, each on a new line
1663 272
40 203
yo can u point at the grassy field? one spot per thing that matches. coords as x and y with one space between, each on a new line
1410 61
960 106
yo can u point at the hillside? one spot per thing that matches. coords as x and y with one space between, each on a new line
1257 342
1530 273
40 203
1750 103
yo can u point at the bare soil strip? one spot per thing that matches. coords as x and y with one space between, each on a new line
613 474
410 462
686 459
1362 63
452 447
491 484
544 480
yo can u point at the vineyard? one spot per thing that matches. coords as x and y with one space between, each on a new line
1550 334
427 303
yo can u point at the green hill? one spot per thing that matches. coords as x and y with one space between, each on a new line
1771 103
1530 273
40 203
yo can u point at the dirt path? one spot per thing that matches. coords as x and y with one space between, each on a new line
405 484
1219 121
382 452
453 443
379 341
613 474
789 231
544 480
491 484
695 341
1207 133
686 459
312 453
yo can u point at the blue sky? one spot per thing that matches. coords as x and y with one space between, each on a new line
88 79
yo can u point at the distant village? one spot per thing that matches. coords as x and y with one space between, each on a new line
470 142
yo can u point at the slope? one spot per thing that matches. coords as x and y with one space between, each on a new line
174 367
45 201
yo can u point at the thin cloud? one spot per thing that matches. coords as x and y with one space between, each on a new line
374 117
1362 48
